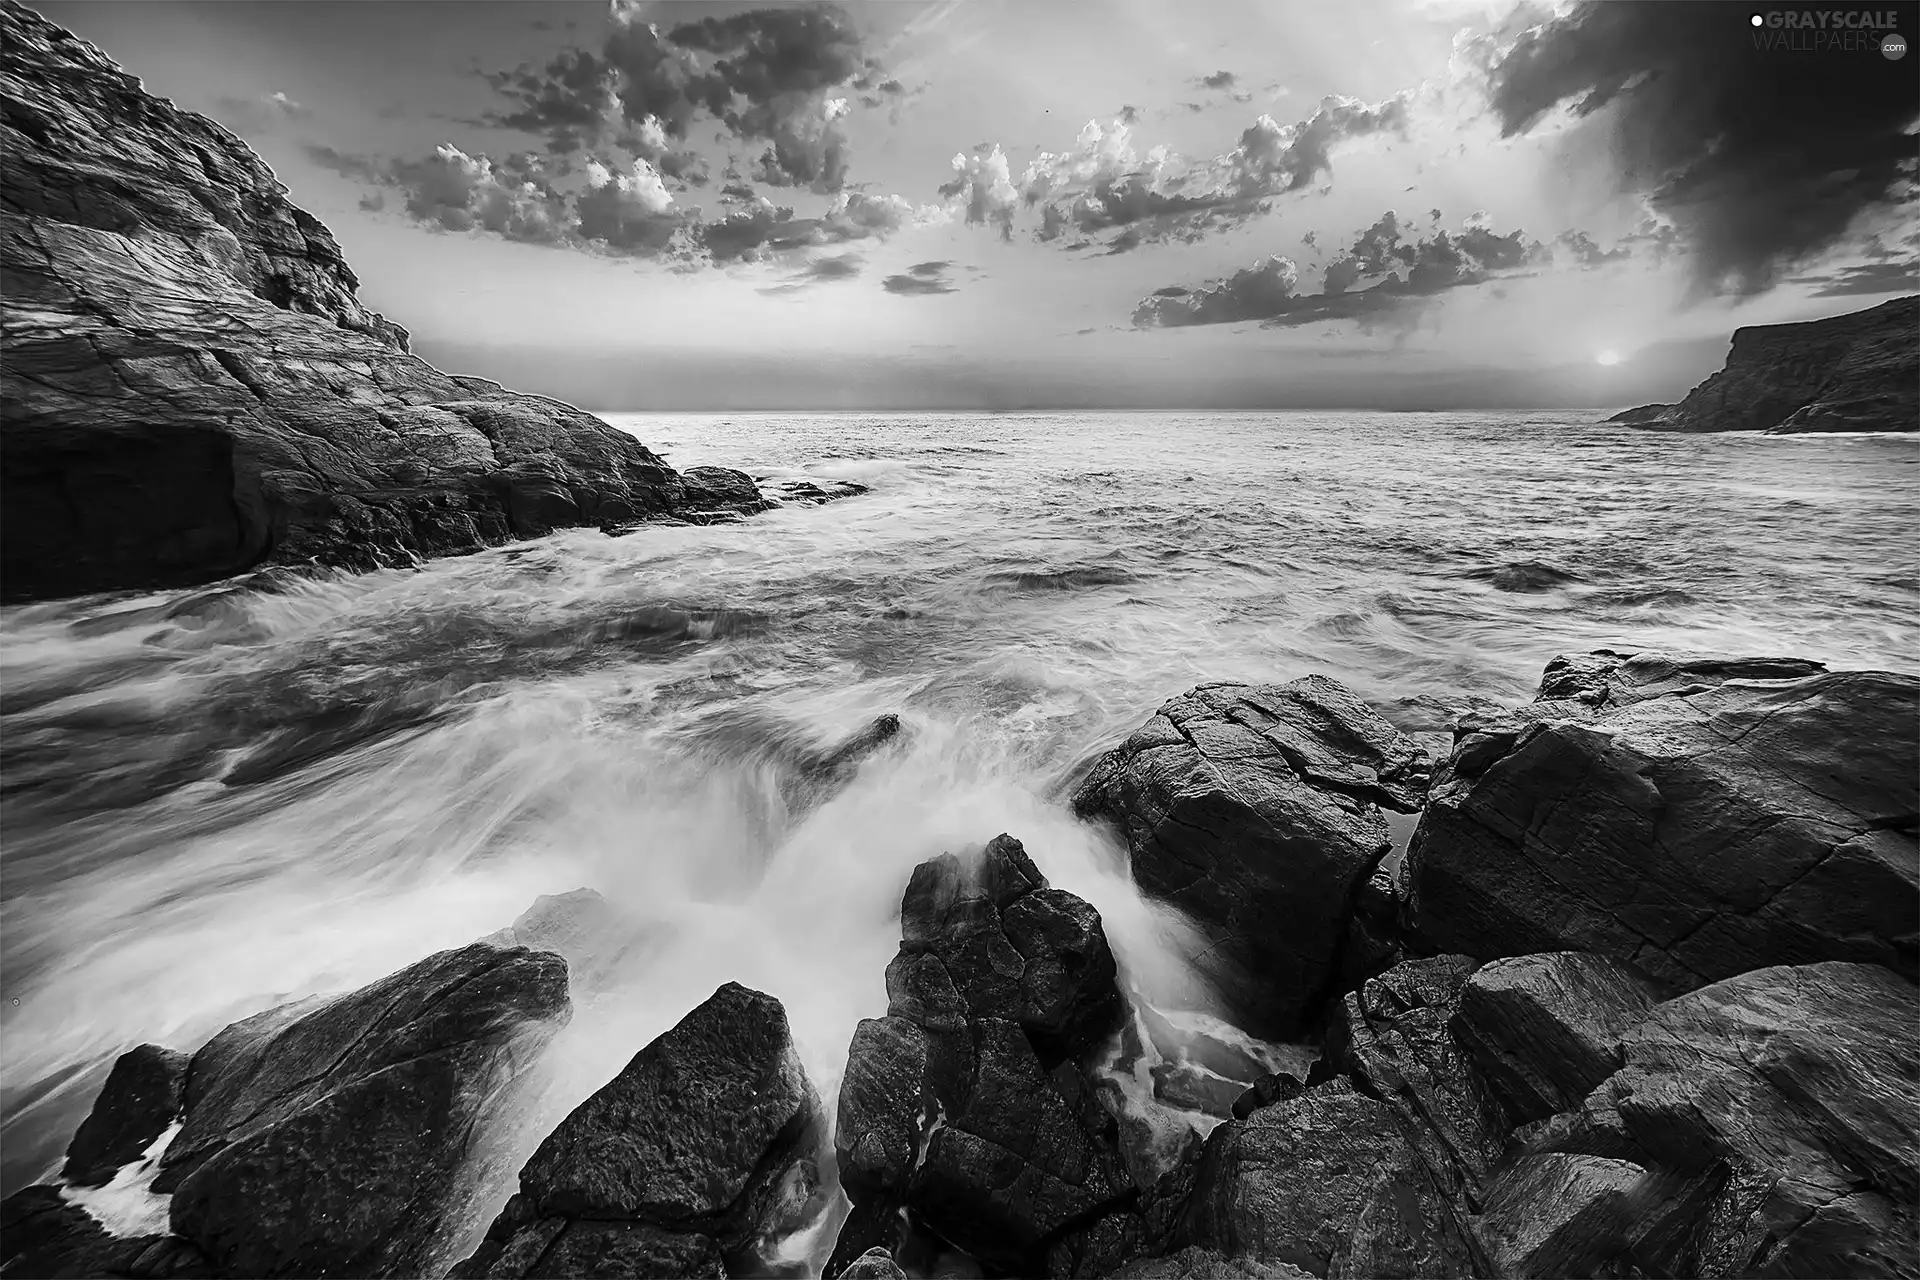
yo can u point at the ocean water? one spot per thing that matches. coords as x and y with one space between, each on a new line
424 752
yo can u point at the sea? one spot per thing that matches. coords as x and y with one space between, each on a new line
216 801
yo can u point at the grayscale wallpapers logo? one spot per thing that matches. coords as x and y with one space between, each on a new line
1830 31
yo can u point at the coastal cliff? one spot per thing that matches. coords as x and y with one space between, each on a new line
192 389
1857 372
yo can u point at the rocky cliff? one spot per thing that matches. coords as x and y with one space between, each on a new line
1857 372
192 389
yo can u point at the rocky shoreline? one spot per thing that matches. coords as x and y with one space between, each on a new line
193 390
1638 1000
1854 372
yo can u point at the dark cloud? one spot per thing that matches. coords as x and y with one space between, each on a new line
1218 80
1581 247
1865 278
920 279
821 270
1403 271
1759 154
767 75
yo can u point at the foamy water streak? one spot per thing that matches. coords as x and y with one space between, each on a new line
423 753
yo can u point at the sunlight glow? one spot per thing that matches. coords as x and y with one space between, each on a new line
1606 357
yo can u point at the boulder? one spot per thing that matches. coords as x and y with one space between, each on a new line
1692 818
1556 1216
192 388
141 1097
1328 1181
1791 1096
1546 1029
1854 372
874 1264
328 1135
964 1113
42 1235
697 1159
598 943
1202 1264
1259 811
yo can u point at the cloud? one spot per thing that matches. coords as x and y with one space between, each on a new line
1761 157
1865 278
1218 80
262 114
982 189
450 190
921 279
1398 270
1103 182
820 270
770 76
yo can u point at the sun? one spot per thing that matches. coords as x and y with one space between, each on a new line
1606 357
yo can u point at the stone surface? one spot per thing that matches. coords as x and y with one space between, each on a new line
1854 372
1258 810
1794 1093
1555 1216
1327 1181
1545 1029
695 1160
43 1236
327 1136
598 943
191 388
964 1113
1691 818
874 1264
141 1097
1203 1264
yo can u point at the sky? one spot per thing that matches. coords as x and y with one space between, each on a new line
1007 204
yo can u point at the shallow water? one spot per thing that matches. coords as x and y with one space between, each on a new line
216 801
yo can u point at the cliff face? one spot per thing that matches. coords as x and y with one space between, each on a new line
1858 372
191 388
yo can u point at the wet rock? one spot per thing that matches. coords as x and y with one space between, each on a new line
1854 372
964 1113
1555 1216
1791 1093
328 1135
721 489
193 389
1394 1037
1203 1264
1257 809
141 1097
703 1150
41 1235
1329 1182
1546 1029
815 776
874 1264
1690 819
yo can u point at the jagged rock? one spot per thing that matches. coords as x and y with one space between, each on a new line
192 389
1854 372
703 1149
874 1264
815 776
965 1106
1688 818
1329 1182
41 1235
327 1136
1545 1030
1257 809
1791 1093
1202 1264
1555 1216
1394 1037
140 1099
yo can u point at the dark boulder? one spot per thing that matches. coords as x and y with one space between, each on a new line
597 941
874 1264
141 1097
328 1135
697 1159
964 1114
1328 1181
1693 818
43 1236
1546 1029
1554 1216
1791 1097
1259 811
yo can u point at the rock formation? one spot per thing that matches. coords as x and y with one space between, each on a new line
1259 810
1856 372
1692 819
694 1161
192 388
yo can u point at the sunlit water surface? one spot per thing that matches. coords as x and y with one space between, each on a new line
612 712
